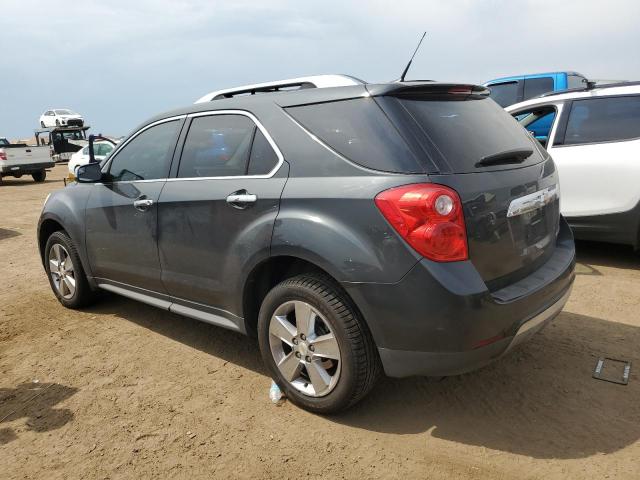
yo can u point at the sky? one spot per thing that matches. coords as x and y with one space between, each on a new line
118 62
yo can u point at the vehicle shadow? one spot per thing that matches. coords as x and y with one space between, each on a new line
594 254
8 233
35 402
23 181
539 401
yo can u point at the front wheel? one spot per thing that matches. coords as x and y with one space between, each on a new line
66 275
315 344
39 176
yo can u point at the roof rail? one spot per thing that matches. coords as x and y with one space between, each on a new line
590 86
316 81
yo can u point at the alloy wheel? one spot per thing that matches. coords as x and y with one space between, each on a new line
62 271
305 348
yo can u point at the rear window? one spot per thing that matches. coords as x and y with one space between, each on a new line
505 94
534 87
360 131
461 132
603 120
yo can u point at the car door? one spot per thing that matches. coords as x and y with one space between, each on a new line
122 211
216 216
596 152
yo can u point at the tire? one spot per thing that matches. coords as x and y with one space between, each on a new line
352 374
82 294
42 124
39 176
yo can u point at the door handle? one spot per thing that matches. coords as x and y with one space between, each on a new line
143 204
241 199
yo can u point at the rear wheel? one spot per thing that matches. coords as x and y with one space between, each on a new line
39 176
66 275
315 345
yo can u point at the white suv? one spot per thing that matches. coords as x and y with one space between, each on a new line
593 135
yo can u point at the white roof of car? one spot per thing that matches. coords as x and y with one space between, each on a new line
318 81
597 91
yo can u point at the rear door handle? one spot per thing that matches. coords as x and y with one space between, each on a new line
143 204
241 199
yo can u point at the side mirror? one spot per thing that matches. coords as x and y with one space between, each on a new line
89 173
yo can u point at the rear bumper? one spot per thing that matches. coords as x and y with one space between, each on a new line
24 169
442 320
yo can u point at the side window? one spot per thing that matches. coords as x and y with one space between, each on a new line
103 149
263 158
217 146
505 94
539 121
603 120
147 156
534 87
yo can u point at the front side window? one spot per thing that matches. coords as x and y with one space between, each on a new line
505 94
534 87
217 146
147 156
603 120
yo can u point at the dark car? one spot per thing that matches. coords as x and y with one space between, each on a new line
407 227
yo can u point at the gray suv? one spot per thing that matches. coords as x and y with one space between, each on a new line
411 228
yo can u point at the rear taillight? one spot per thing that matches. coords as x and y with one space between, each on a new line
429 217
3 155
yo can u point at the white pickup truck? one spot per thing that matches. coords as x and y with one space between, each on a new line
20 159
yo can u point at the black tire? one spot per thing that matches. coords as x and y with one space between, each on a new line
360 364
83 294
42 124
39 176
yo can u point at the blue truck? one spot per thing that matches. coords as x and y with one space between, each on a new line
509 90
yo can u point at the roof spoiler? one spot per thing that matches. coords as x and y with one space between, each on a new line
411 89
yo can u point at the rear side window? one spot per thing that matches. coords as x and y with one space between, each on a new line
263 158
603 120
217 146
360 131
534 87
505 94
462 132
147 156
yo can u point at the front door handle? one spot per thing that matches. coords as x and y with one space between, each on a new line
241 199
143 204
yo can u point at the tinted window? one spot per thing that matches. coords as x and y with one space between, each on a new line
603 120
534 87
505 94
147 156
217 146
462 132
359 130
102 149
263 158
576 81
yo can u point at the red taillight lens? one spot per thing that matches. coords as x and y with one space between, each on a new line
3 155
429 217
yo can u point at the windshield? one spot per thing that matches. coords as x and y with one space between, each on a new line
64 112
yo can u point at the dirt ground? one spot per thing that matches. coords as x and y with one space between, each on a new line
124 390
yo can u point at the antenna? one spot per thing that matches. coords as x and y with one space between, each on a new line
406 69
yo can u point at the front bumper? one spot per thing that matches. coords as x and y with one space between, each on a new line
442 320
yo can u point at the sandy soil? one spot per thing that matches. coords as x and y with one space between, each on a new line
128 391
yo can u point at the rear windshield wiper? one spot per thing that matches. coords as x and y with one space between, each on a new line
517 155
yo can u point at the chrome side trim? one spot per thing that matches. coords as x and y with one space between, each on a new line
204 316
533 201
264 131
140 297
